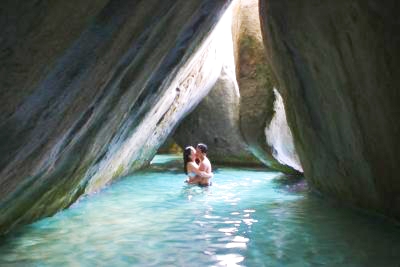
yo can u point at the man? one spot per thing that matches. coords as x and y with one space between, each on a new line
205 164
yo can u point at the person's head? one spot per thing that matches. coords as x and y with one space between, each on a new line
201 149
189 154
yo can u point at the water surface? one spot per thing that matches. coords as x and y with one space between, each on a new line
246 218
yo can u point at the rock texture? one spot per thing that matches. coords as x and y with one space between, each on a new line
337 66
233 117
256 83
215 121
90 90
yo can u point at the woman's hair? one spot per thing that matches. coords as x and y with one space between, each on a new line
186 157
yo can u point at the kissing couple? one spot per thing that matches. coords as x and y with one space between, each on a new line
196 165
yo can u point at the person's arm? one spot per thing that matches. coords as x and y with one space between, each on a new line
196 170
206 174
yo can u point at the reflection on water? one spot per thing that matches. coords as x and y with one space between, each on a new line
247 218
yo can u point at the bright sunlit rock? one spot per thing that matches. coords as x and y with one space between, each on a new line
280 138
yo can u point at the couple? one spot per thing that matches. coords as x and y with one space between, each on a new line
197 165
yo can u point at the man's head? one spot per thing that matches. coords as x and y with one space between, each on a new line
201 149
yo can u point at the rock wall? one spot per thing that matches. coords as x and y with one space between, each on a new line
89 91
337 67
256 83
216 120
233 117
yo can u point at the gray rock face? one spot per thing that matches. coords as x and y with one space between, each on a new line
89 91
256 83
337 66
233 117
215 120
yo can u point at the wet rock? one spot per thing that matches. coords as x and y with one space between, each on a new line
337 67
89 91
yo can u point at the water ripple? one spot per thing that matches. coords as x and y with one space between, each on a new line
247 218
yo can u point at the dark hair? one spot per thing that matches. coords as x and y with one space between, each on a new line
186 157
203 148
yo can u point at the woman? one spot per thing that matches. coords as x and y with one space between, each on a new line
192 169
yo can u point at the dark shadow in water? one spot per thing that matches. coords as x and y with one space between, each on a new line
290 183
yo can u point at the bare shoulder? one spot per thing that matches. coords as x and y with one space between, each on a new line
206 161
207 164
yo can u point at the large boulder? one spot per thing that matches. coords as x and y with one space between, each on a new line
233 117
257 98
216 120
90 90
337 67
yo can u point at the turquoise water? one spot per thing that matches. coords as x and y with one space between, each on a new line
246 218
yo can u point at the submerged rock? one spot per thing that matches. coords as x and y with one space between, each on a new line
337 67
89 91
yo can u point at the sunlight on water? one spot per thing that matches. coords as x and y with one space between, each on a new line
246 218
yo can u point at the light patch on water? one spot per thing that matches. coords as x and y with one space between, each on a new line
240 239
249 211
231 222
236 245
229 259
228 230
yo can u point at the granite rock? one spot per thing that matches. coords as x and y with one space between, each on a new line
336 63
90 90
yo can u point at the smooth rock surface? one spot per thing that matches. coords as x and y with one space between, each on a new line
279 136
215 121
337 63
256 83
231 120
89 91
